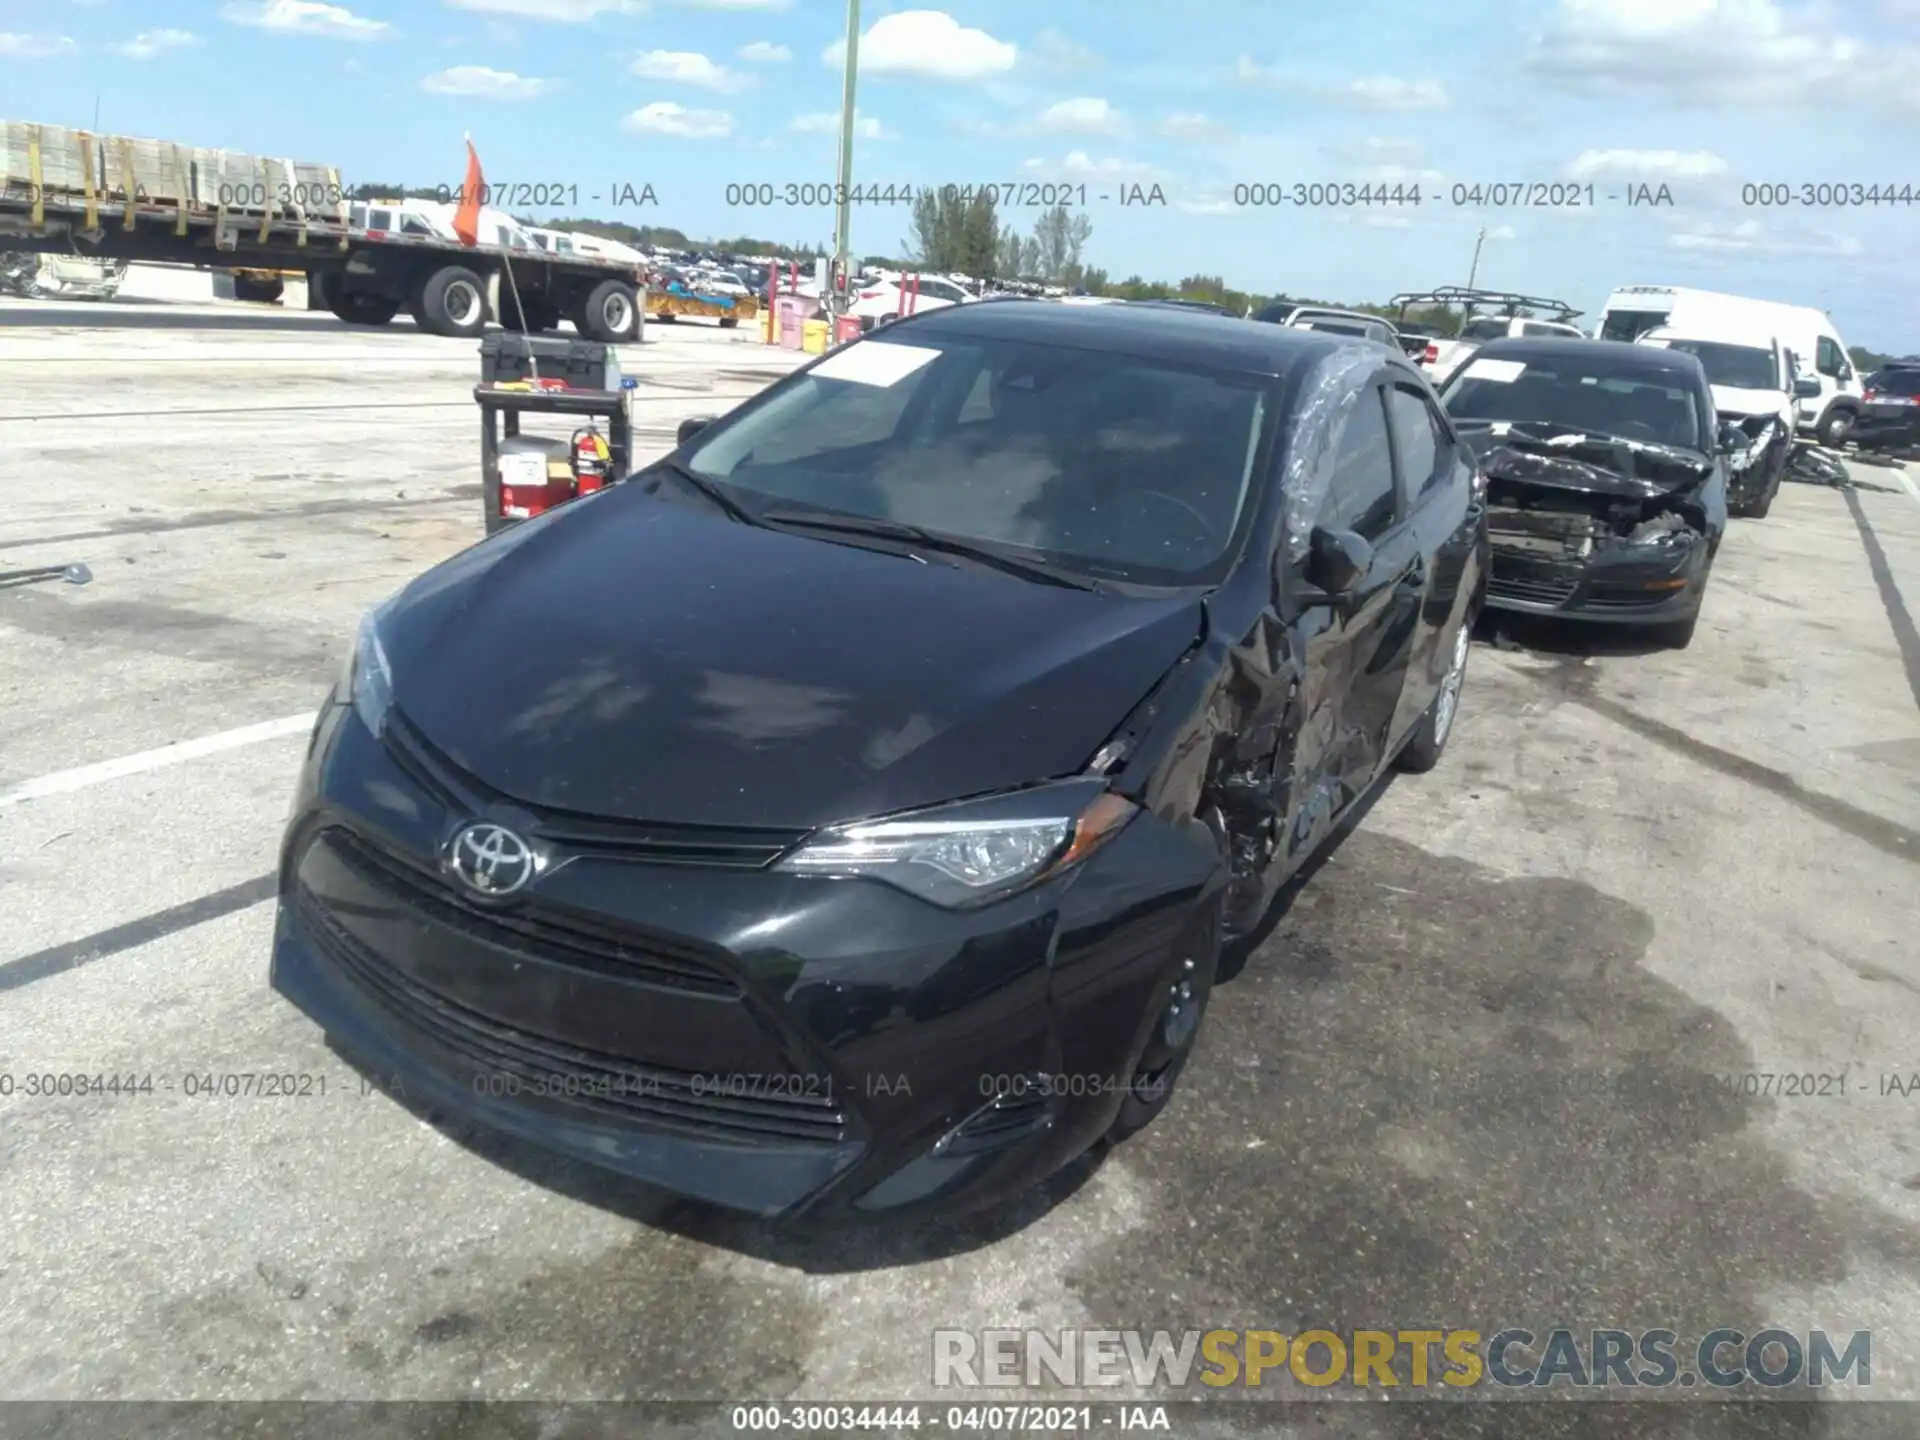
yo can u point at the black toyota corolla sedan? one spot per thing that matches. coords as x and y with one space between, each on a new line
845 814
1606 475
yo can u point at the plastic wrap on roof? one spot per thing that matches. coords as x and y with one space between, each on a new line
1336 384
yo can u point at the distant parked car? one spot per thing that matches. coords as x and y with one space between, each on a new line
1443 357
1360 327
1890 408
1606 478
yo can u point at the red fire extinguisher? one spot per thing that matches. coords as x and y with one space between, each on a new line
592 458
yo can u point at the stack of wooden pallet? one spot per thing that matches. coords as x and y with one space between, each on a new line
55 165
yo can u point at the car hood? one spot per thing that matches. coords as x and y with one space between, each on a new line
1595 467
637 658
1731 401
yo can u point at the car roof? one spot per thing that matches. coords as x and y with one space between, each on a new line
1615 354
1150 332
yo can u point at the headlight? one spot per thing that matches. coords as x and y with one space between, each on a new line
367 680
975 851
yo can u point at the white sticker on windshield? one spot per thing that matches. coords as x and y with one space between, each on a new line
874 362
1503 372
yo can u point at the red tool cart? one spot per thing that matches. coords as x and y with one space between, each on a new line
521 475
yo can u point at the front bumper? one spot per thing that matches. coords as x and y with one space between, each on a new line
1889 426
1622 585
772 1043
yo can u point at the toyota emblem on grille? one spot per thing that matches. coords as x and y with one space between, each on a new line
491 859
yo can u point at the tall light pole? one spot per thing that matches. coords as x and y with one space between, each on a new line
843 193
1473 270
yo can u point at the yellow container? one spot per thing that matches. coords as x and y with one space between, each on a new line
766 328
813 337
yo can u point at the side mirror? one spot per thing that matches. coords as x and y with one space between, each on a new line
1337 560
691 427
1806 389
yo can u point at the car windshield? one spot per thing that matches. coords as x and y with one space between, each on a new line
1115 466
1739 367
1634 402
1630 324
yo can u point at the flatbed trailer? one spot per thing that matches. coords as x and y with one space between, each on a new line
154 202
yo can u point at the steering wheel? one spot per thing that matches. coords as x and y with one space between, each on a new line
1204 525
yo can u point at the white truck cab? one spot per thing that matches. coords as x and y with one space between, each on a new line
1809 336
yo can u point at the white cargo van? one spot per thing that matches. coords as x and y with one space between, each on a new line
1818 352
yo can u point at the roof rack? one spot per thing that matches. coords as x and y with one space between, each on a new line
1471 300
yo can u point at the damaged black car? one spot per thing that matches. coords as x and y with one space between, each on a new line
846 813
1606 476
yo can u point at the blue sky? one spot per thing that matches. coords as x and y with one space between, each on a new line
690 96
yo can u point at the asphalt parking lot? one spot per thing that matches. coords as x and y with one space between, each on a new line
1460 1084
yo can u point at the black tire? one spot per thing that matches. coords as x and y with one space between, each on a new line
364 309
610 313
453 301
1170 1046
1422 751
730 322
320 287
534 314
1834 427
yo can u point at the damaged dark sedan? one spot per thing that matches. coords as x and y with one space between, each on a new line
846 813
1606 475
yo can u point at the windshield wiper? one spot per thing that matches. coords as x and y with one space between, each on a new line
987 554
733 508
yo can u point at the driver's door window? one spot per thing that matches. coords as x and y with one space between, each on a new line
1827 358
1360 496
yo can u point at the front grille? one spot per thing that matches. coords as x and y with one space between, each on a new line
511 1062
1513 578
531 928
1626 597
663 844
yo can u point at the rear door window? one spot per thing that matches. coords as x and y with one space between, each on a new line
1487 328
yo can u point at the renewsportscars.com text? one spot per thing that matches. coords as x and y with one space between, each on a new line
1510 1358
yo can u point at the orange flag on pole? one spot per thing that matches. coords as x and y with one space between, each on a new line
466 220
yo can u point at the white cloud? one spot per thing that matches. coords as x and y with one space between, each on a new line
765 52
1083 115
1755 53
1397 175
1378 150
735 4
1647 164
34 47
480 82
663 117
827 122
1501 232
149 43
306 17
1386 92
1054 49
565 12
1386 220
1079 165
929 43
1189 125
685 67
1751 238
1371 92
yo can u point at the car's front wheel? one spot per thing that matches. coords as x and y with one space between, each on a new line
1422 752
1170 1045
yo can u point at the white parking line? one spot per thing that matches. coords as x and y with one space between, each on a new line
1906 482
63 781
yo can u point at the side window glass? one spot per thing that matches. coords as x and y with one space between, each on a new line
1360 497
1417 436
1827 357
